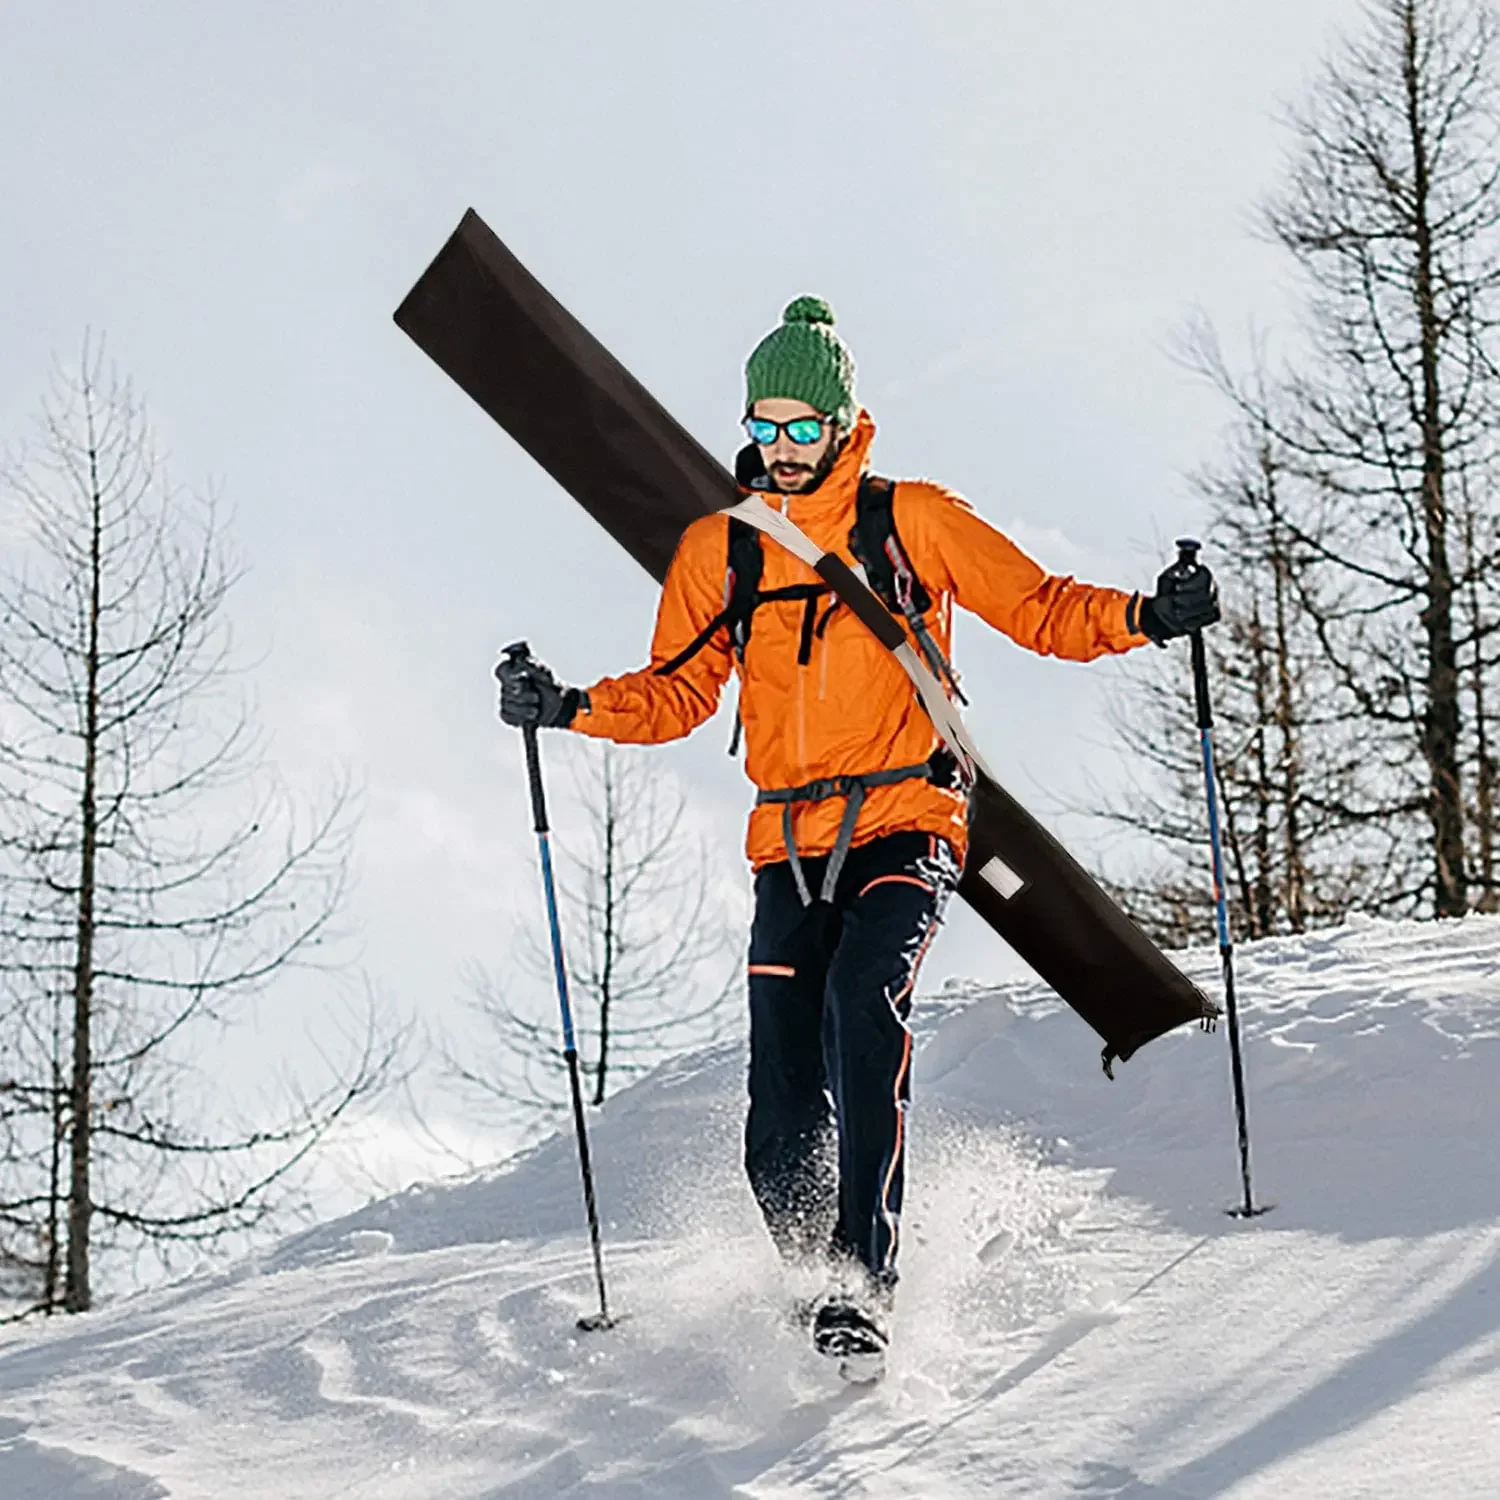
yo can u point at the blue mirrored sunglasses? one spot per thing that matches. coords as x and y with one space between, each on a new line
804 431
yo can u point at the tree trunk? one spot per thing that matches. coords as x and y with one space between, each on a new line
1440 723
1484 791
77 1295
1263 923
1289 764
1484 766
58 1122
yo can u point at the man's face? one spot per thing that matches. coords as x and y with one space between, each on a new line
793 466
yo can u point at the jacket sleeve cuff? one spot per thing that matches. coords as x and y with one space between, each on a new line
575 704
586 716
1137 617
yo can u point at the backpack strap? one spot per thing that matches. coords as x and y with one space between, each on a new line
742 582
741 593
876 544
742 596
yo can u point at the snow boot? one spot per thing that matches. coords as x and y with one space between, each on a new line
855 1336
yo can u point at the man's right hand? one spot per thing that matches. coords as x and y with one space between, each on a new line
531 697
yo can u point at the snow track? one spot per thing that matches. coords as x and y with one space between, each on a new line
1078 1317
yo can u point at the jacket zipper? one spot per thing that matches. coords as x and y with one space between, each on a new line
801 691
802 724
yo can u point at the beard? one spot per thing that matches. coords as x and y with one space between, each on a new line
792 479
798 479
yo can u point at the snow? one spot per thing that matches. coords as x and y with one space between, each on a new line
1079 1315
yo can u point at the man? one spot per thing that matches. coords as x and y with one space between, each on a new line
859 831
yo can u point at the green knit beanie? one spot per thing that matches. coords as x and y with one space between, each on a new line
804 360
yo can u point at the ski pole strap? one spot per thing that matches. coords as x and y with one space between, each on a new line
853 790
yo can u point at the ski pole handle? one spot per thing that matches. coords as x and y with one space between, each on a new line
534 778
517 652
1200 681
1188 549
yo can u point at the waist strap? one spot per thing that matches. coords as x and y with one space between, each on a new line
853 788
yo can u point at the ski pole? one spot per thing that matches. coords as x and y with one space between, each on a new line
1187 563
601 1319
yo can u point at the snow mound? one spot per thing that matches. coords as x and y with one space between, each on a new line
1078 1315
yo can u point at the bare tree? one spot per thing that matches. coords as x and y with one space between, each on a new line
647 943
1295 777
1357 540
1481 622
153 876
1391 212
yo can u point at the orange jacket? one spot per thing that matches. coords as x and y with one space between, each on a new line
852 708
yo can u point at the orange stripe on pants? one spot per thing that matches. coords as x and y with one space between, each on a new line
885 1187
898 879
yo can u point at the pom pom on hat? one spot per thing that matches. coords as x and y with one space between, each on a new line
808 310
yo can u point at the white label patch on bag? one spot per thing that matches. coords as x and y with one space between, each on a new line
1002 877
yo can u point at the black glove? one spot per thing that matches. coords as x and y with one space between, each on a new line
1186 599
531 697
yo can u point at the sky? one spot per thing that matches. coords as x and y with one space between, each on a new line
1010 207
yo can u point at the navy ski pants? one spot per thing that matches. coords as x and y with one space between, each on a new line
830 1053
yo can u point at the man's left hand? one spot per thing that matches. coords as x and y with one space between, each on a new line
1186 599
